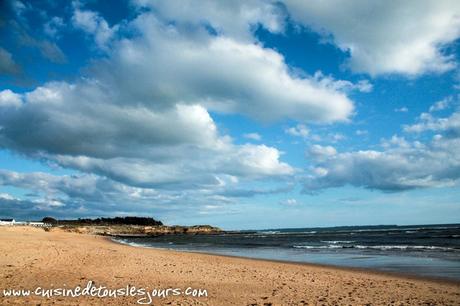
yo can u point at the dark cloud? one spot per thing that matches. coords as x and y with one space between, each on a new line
7 64
48 49
73 196
246 193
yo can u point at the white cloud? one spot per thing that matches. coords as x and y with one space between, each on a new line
392 170
397 141
404 37
319 152
427 122
141 116
91 195
76 195
300 130
52 27
336 137
289 202
191 168
9 99
343 85
236 19
253 136
65 115
363 86
138 123
260 159
402 165
168 64
401 110
79 126
6 196
93 24
442 104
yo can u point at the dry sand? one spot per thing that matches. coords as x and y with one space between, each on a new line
31 257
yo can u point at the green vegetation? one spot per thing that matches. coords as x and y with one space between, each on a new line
145 221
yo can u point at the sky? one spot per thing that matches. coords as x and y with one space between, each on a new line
240 114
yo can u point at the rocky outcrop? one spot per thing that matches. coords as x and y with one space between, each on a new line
139 231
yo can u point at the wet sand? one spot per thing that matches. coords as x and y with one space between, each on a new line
31 258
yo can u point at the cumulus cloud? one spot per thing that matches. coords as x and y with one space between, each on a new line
392 170
404 37
75 195
78 126
237 19
79 119
319 152
336 137
169 64
401 165
138 122
343 85
52 27
9 99
93 24
449 126
191 168
141 115
300 130
89 195
442 104
88 188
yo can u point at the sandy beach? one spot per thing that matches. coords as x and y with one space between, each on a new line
31 258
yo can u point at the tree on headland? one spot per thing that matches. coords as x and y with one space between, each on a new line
49 220
146 221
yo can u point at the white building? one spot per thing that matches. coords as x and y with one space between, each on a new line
12 222
40 224
7 221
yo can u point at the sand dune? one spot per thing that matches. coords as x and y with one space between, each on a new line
31 258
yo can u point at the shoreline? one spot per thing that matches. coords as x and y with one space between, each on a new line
302 263
34 258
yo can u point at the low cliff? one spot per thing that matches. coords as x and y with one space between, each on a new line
138 230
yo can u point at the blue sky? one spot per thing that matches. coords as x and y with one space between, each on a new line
239 114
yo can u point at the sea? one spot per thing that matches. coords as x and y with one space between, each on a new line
419 250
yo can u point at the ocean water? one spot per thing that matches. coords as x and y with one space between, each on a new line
423 250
